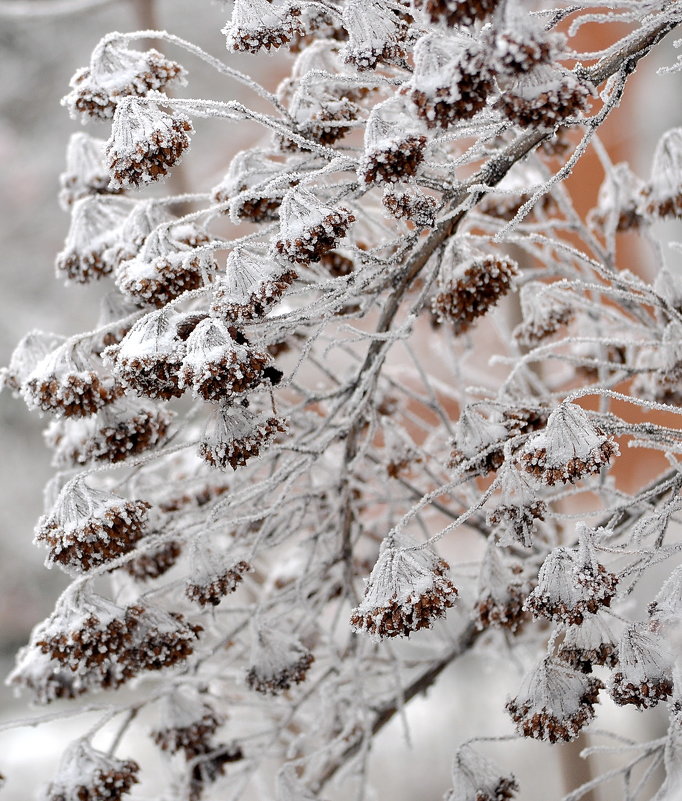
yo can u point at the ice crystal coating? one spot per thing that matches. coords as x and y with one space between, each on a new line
188 723
145 142
411 204
407 590
96 222
375 33
394 144
451 79
476 778
277 660
521 44
620 201
88 775
144 218
235 434
644 675
249 170
555 702
477 442
469 288
258 24
569 448
591 643
518 508
665 185
572 583
89 527
501 591
85 173
667 606
544 311
116 72
213 573
308 227
250 286
29 352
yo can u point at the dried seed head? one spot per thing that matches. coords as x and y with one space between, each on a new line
554 702
517 510
477 443
88 775
309 228
116 72
501 591
149 357
250 286
544 311
152 563
160 639
249 170
45 680
569 448
88 528
407 590
126 428
188 723
235 434
665 185
476 778
85 172
591 643
521 44
375 34
145 142
394 144
457 12
412 205
644 675
96 223
29 352
468 289
543 98
165 268
277 661
572 583
66 384
258 24
144 217
620 201
451 79
213 573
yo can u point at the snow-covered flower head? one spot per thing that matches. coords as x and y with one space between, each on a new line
457 12
665 185
374 34
250 169
521 43
235 434
85 774
277 661
29 352
258 24
619 204
518 508
410 204
591 643
187 722
644 675
214 572
394 144
477 778
501 591
85 173
477 442
407 590
545 311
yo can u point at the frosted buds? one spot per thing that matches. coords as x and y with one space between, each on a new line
468 288
66 384
411 204
476 778
188 723
258 24
250 286
394 145
457 12
85 173
569 448
89 775
544 97
572 582
149 357
665 186
477 443
620 200
116 72
145 142
501 591
235 434
88 528
165 268
644 675
95 225
407 590
451 79
309 228
554 702
374 34
544 312
213 574
517 509
216 366
278 660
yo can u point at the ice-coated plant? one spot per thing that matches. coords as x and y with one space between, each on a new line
383 324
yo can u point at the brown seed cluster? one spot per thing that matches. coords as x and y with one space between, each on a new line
523 420
155 376
251 39
263 295
535 463
518 520
469 84
519 52
544 724
213 592
97 540
234 372
474 291
416 207
546 108
172 276
193 740
644 695
273 681
594 589
152 564
367 58
151 158
72 394
457 12
338 265
317 240
83 266
533 332
508 614
103 785
584 659
489 462
395 162
668 207
237 452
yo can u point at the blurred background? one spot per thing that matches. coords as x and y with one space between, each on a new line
38 55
